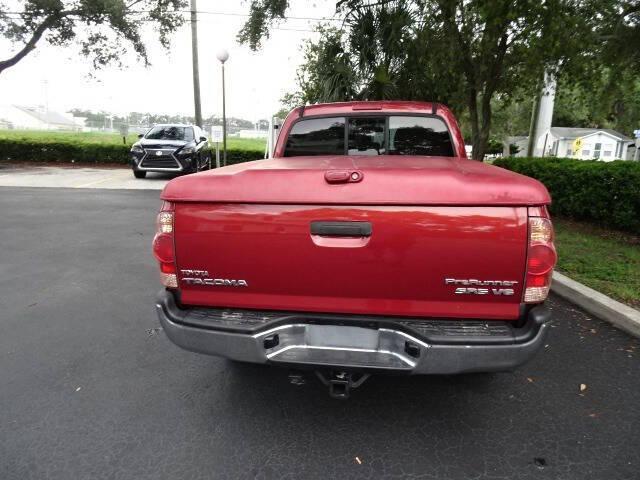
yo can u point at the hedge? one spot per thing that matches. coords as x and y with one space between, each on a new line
26 150
605 193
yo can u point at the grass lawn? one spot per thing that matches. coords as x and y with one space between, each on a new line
111 138
602 259
46 136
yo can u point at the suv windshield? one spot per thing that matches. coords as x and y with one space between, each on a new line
379 135
170 133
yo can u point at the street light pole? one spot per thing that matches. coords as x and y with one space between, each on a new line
223 56
224 123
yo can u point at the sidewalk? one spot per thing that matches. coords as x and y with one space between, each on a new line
596 303
80 177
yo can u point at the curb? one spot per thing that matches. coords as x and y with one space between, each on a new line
618 314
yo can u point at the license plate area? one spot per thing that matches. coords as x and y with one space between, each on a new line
344 346
341 337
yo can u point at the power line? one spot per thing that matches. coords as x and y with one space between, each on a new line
319 19
204 12
18 16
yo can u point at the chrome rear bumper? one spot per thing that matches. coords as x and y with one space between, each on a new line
411 346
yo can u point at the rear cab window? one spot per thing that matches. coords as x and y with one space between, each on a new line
370 135
316 136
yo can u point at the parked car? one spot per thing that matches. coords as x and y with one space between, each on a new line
370 243
171 148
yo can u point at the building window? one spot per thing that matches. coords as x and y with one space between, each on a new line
569 151
596 150
586 153
606 153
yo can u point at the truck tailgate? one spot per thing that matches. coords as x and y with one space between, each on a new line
423 261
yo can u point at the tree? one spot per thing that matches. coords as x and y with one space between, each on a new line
600 88
104 29
610 99
466 53
622 40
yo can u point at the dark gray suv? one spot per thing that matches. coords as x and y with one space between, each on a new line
171 148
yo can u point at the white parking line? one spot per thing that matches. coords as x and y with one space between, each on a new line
97 182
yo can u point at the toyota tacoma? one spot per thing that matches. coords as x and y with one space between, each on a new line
369 243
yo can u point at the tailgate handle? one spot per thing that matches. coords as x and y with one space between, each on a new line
341 229
343 176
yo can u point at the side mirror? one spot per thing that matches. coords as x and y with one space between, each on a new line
203 139
140 135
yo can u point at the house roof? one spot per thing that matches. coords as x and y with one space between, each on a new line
570 132
47 117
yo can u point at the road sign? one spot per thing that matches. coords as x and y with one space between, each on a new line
124 131
216 133
577 145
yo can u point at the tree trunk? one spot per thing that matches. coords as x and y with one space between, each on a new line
475 124
480 126
480 142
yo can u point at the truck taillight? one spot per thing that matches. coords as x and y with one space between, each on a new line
541 258
163 248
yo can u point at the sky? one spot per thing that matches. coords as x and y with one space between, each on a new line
255 81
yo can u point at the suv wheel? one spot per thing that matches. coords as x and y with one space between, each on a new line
139 174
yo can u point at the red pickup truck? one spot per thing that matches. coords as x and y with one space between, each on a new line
370 243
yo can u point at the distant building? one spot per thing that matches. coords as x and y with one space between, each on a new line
521 143
37 118
597 143
253 133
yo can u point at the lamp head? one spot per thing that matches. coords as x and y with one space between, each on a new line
222 55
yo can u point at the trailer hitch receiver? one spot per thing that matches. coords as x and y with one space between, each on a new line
340 383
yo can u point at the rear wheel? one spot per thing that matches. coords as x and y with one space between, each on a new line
139 174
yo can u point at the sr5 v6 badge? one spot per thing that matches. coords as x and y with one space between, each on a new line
202 277
472 286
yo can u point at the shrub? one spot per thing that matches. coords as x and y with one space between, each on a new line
66 151
240 156
606 193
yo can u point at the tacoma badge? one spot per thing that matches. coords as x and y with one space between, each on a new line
201 277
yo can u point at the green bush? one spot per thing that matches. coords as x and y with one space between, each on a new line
62 151
605 193
240 156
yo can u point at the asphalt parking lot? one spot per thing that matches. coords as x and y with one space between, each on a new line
91 387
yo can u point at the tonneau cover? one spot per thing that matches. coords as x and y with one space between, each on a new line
386 180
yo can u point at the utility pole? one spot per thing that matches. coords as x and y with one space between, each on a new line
45 84
196 69
531 145
542 114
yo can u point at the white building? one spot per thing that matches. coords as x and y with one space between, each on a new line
36 118
596 143
253 133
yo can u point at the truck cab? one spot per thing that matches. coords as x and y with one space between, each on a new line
369 243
